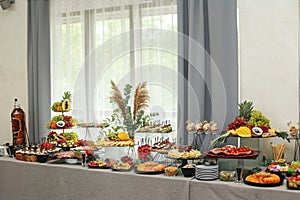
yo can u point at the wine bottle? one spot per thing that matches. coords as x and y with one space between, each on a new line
18 122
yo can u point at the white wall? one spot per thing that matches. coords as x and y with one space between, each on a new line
269 61
13 64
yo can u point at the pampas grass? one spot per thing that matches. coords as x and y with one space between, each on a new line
141 98
117 98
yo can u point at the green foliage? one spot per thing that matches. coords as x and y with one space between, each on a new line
220 140
245 109
283 135
67 95
128 123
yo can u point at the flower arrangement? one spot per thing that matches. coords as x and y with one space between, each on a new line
124 118
292 129
201 126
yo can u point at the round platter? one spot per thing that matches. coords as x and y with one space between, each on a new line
122 170
97 167
147 172
252 155
162 151
264 185
72 161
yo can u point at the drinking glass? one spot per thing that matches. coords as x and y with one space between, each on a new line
83 159
239 175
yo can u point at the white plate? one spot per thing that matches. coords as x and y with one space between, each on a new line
71 161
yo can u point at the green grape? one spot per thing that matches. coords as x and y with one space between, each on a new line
258 119
57 118
71 135
55 104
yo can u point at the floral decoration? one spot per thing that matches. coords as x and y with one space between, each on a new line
202 126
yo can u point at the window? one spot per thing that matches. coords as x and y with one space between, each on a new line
94 42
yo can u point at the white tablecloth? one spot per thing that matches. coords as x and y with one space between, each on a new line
42 181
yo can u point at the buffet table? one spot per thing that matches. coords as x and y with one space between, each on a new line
24 180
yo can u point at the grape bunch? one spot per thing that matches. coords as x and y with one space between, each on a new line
71 136
144 152
258 119
127 159
238 122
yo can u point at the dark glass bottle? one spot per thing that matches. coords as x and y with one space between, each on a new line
18 122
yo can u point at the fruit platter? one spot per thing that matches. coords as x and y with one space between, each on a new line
283 167
64 105
117 139
63 140
98 164
150 168
293 182
126 164
264 179
249 123
61 122
121 166
231 151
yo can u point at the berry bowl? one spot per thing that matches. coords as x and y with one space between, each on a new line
42 158
188 170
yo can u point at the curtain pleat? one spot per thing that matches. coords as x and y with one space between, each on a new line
207 63
38 64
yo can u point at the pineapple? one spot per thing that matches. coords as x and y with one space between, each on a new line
67 95
64 105
245 109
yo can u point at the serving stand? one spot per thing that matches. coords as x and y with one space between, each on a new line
201 141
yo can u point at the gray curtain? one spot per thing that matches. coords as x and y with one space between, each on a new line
38 68
208 62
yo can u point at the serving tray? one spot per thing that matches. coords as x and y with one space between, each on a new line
264 185
252 155
147 172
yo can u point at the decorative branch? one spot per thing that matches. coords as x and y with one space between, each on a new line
116 98
141 99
